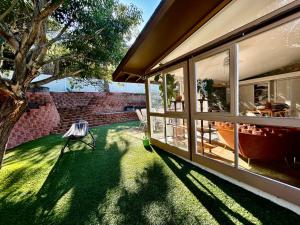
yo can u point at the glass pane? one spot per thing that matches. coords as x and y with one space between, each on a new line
157 128
156 92
223 23
270 151
177 134
211 140
212 82
175 90
270 73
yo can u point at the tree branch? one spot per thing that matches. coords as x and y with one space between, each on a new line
58 59
10 39
4 86
58 36
39 17
49 9
37 55
13 3
53 78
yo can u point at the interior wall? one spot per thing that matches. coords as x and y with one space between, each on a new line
246 97
288 91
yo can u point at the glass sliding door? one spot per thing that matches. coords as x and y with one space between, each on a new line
158 125
156 94
236 112
269 81
212 141
270 73
211 94
169 110
175 98
177 133
213 83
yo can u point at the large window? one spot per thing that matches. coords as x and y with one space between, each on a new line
257 80
213 83
244 102
175 90
177 134
269 81
169 109
271 151
210 141
212 96
158 128
270 73
156 93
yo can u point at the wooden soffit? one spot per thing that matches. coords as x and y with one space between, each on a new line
172 22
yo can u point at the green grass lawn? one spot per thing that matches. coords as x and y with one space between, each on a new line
120 183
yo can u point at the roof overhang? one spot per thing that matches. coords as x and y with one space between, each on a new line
172 22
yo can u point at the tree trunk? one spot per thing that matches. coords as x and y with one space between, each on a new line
11 109
106 86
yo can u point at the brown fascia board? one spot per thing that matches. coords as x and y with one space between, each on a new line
158 13
165 22
186 35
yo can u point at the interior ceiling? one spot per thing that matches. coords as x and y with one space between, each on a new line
223 23
167 28
260 54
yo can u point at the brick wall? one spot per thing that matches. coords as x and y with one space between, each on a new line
37 121
55 112
99 102
96 108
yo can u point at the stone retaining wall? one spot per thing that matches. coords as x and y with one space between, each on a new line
55 112
36 122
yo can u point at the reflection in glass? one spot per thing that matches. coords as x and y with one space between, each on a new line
177 134
175 90
213 86
211 142
157 128
156 95
270 73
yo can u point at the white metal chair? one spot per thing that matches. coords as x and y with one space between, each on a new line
77 132
144 113
143 121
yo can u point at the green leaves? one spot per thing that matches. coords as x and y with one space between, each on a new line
93 32
98 33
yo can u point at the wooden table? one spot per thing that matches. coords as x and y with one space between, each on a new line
175 104
272 113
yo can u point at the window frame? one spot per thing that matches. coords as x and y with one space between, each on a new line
237 174
186 153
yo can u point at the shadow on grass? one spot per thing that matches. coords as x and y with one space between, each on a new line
35 151
77 183
263 210
149 204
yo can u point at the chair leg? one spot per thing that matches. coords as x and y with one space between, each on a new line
94 141
88 144
63 149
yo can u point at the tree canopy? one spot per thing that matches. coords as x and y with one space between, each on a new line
64 38
81 38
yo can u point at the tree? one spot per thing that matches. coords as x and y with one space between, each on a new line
170 87
64 38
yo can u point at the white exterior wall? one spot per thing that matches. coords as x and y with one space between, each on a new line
63 85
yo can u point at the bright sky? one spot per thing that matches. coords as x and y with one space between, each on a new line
147 7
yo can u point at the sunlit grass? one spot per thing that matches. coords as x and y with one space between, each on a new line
120 183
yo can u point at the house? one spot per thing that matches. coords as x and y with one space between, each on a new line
222 82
